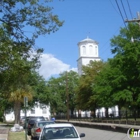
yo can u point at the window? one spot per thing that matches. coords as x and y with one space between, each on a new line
90 49
32 111
83 50
44 110
96 49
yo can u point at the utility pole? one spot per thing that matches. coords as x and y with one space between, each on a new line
25 105
138 22
67 94
135 19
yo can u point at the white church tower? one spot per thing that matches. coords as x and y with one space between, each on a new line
88 50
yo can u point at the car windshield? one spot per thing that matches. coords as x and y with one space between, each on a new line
58 133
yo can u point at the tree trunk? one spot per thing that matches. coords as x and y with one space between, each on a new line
17 108
106 112
72 112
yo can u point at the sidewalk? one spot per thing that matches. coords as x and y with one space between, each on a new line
105 126
4 133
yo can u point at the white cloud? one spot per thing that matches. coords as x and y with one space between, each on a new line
51 66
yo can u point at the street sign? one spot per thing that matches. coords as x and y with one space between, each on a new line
25 101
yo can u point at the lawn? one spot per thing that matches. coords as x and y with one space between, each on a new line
17 135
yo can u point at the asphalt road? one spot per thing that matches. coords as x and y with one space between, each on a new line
96 134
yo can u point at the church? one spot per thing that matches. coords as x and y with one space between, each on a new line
89 51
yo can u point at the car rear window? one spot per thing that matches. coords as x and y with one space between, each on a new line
44 123
37 118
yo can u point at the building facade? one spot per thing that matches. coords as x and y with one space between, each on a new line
38 110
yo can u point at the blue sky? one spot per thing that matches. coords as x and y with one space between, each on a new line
100 20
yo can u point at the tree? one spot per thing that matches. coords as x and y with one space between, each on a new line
17 97
21 15
39 85
71 79
57 88
127 61
86 98
103 86
62 92
17 55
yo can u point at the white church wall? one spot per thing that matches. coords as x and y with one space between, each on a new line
86 61
37 110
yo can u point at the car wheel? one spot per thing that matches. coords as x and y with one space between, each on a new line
29 133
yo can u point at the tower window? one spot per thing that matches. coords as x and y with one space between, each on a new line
96 50
90 49
83 50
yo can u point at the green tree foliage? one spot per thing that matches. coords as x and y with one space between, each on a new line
104 83
62 89
102 86
72 78
39 86
18 16
16 97
18 58
57 90
86 98
127 61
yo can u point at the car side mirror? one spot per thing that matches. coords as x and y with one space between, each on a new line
82 135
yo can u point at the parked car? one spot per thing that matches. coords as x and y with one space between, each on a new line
31 117
31 121
60 131
37 128
22 121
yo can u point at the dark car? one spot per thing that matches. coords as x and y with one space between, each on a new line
26 119
31 121
37 128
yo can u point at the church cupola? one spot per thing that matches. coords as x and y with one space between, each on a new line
88 50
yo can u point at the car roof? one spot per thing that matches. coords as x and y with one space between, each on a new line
35 116
44 121
59 125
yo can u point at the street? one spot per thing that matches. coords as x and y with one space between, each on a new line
96 134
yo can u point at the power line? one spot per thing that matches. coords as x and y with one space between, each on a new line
124 9
129 9
113 6
120 13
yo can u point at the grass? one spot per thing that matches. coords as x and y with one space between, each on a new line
16 135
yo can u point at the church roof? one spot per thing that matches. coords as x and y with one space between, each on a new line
88 40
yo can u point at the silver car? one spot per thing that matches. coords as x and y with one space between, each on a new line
60 131
37 128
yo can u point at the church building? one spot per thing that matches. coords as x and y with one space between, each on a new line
89 51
